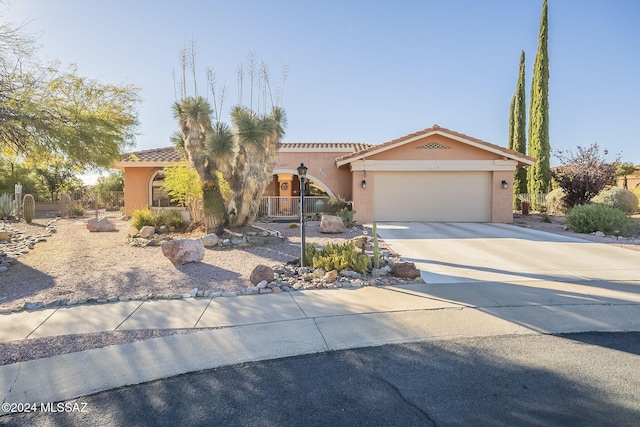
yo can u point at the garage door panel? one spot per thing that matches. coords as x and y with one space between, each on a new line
432 196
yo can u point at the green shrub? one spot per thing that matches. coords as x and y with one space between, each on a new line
555 202
142 217
618 198
347 216
636 191
597 217
170 218
337 257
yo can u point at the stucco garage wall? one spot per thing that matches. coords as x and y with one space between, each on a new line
502 199
433 178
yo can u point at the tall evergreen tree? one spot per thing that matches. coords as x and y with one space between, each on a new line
518 138
539 175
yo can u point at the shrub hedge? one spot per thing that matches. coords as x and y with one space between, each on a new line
598 217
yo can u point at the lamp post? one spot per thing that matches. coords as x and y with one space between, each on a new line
302 174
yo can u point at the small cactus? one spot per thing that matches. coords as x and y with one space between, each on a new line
28 208
376 250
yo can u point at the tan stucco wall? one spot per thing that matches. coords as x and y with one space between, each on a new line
136 188
457 151
632 181
502 199
321 169
363 197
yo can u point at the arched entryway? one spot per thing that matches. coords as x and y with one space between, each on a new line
282 196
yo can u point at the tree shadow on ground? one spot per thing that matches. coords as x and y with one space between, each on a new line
500 382
24 282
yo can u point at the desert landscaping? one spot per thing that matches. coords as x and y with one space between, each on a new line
74 264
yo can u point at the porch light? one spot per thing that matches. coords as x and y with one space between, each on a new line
302 174
505 185
364 183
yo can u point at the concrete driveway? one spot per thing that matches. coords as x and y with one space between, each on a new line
540 281
472 252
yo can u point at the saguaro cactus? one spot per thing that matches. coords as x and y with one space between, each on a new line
376 250
28 208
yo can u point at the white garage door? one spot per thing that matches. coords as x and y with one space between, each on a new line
432 196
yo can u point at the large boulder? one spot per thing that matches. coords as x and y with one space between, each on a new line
332 224
405 270
100 224
260 273
183 251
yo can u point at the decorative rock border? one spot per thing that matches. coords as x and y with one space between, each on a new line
254 235
17 243
288 279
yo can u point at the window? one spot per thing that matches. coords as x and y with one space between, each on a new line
159 197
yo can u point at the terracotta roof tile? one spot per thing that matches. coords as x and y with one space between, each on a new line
170 154
165 154
354 146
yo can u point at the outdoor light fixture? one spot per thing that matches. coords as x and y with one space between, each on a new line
504 184
364 183
302 174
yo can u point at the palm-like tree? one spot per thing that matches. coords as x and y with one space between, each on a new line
194 121
258 141
245 156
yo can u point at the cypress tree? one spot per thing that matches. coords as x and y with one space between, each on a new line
519 138
511 122
539 175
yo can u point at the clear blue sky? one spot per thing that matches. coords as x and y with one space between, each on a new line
366 71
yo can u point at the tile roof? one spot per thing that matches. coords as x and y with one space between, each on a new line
165 154
171 155
328 146
435 128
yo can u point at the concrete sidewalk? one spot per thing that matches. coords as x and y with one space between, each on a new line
261 327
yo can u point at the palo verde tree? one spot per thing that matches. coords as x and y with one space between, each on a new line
539 174
582 175
243 152
46 112
517 132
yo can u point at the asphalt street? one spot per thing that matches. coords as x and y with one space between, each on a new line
587 379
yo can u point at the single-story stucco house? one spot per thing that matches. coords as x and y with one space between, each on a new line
432 175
